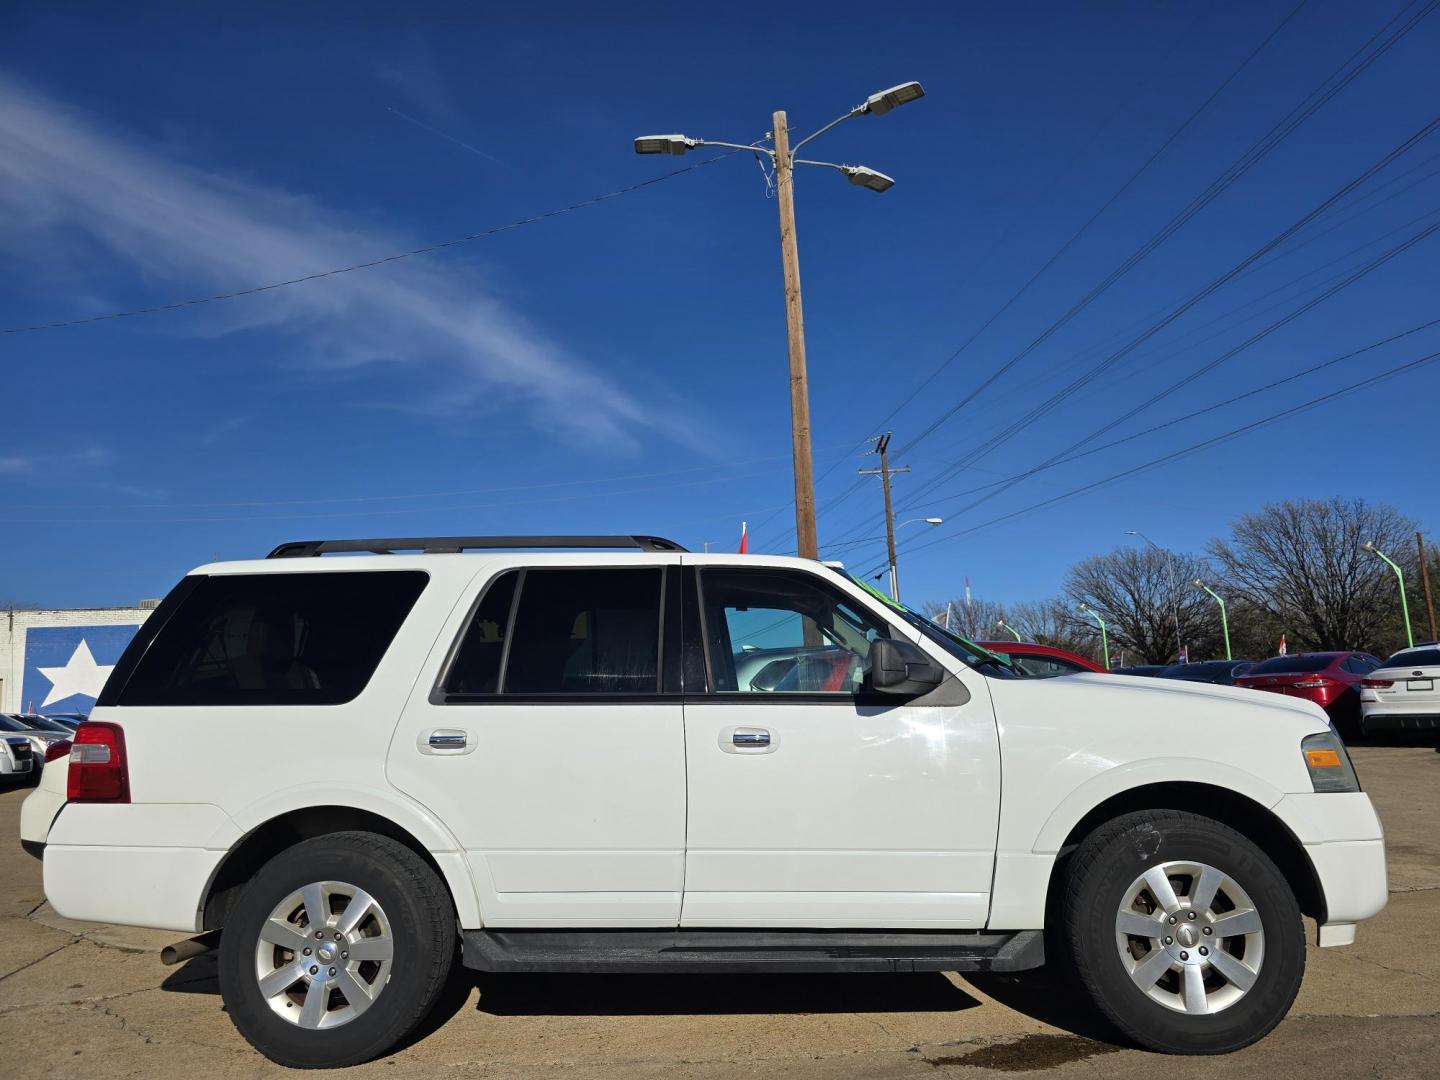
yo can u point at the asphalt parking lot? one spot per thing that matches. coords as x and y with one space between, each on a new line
94 1001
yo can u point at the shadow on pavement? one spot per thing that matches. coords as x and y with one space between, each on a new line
1047 996
713 995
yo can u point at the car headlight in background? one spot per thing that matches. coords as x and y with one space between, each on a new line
1328 763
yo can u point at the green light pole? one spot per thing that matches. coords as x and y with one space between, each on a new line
1400 577
1006 626
1104 635
1224 621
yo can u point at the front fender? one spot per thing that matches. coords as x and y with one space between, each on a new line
1137 774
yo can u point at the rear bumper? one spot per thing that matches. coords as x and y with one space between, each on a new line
95 872
1398 715
1346 847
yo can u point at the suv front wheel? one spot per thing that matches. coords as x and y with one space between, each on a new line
342 927
1184 933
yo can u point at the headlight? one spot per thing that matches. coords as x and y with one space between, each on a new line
1328 763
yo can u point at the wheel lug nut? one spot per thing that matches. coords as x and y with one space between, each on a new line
337 936
319 933
1172 920
1191 915
1169 941
1203 952
306 950
344 956
313 969
1184 956
1209 930
332 973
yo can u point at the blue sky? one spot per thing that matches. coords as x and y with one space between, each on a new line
622 368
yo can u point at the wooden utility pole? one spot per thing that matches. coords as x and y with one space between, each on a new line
1425 578
805 540
882 447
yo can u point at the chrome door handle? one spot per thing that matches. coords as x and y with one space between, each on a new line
448 739
750 738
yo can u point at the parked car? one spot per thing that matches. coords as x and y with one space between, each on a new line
37 730
548 756
1329 679
16 758
1150 670
71 720
1219 672
1040 661
1403 692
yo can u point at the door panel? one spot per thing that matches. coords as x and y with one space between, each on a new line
857 812
569 807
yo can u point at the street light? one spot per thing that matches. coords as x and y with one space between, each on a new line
894 569
784 159
1224 621
1104 636
1174 588
1006 626
1400 577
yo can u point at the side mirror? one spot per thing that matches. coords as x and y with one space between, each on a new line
901 668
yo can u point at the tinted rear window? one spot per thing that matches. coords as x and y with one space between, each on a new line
1202 672
274 639
1414 658
1284 665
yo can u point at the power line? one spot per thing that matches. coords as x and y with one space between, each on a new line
1373 380
1172 422
1308 106
428 249
1067 391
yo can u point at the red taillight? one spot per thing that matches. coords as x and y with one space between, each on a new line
1377 684
57 750
98 770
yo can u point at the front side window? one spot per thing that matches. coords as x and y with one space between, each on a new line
782 632
568 631
274 639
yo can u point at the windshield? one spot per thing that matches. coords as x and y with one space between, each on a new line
44 723
963 649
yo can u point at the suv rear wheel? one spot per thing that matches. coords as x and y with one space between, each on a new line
1184 933
336 928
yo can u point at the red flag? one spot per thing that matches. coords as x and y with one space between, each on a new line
744 537
1282 646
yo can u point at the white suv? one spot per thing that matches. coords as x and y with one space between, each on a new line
361 768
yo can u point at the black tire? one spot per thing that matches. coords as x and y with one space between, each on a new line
1101 871
422 924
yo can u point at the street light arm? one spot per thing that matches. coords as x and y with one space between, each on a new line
755 146
815 135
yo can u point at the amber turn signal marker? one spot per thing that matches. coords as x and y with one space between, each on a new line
1322 759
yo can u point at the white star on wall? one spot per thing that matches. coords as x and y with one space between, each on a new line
80 675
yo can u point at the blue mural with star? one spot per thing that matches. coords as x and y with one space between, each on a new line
66 666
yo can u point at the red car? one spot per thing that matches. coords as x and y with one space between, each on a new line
1040 661
1330 679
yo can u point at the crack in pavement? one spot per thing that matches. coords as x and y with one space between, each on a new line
44 956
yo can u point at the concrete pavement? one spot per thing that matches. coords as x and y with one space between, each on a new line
89 1001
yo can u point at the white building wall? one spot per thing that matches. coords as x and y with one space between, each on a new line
14 636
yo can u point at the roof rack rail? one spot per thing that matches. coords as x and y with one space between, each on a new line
433 545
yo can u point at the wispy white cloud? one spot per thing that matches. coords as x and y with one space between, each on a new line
65 175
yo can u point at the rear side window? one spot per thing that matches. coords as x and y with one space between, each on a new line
569 631
274 639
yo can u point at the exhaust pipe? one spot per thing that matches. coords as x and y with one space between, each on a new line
189 948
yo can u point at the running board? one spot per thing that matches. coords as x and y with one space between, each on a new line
736 951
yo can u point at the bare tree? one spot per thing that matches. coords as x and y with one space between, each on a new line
1304 564
975 620
1141 593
